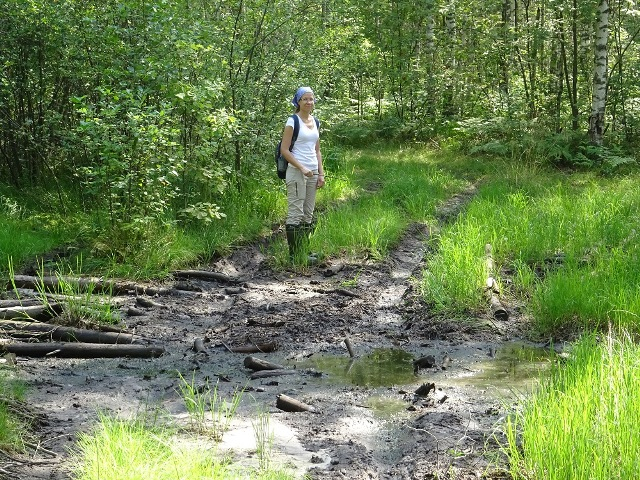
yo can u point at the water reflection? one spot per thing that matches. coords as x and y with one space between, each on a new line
382 367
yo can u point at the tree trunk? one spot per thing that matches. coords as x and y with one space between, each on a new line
600 75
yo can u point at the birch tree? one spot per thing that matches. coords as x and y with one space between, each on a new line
599 97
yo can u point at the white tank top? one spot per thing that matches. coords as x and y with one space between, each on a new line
304 149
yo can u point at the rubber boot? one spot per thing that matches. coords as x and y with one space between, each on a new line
293 241
309 229
298 240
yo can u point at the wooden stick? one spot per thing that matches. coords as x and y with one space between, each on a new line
497 309
347 342
148 303
258 348
271 373
205 275
288 404
96 285
253 363
36 312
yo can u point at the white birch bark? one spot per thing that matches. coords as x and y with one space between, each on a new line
599 97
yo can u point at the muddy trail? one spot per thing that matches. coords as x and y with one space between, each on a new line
416 400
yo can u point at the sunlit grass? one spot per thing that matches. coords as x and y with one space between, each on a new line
566 244
209 412
381 194
453 278
132 450
13 426
21 241
582 421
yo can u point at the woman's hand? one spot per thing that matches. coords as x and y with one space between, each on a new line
320 183
306 172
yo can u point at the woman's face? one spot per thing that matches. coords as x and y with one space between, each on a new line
307 102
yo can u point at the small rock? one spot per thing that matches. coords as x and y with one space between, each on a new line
428 361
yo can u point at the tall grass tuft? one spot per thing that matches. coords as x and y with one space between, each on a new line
209 411
134 450
582 421
567 246
14 426
452 280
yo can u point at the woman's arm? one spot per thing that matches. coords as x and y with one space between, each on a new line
320 166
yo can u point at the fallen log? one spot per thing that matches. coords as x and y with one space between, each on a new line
25 302
271 373
253 363
135 312
93 284
186 287
35 312
148 303
63 334
205 275
288 404
80 350
274 324
340 291
491 288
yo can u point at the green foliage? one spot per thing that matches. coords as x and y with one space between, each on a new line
519 140
581 422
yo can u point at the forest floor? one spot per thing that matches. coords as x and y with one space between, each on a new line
367 422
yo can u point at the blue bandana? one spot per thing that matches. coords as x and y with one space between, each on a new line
301 91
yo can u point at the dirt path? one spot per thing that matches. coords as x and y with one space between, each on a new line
381 430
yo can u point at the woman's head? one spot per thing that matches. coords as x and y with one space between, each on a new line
305 93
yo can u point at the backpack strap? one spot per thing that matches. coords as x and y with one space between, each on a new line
296 130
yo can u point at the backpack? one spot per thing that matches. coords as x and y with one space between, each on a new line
281 162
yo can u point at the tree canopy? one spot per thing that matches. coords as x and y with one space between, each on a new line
154 108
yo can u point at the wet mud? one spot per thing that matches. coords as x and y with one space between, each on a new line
422 397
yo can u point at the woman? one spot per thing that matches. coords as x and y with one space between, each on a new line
305 175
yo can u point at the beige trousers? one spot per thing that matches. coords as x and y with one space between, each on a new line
301 196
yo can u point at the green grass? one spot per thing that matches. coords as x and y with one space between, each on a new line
13 425
582 421
22 240
209 412
382 193
369 200
133 450
566 245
